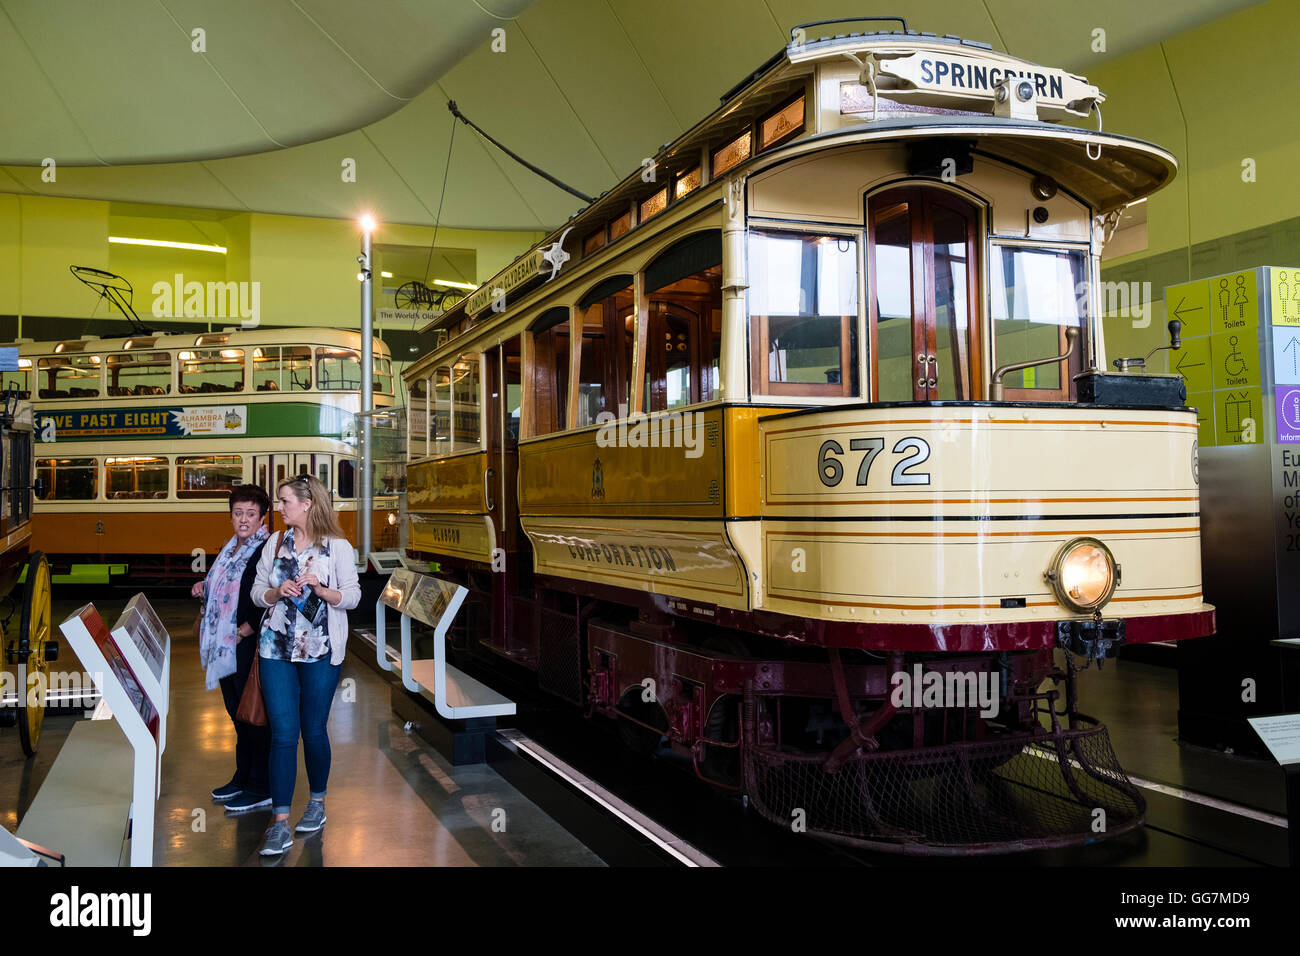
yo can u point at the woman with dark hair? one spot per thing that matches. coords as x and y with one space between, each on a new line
227 643
308 578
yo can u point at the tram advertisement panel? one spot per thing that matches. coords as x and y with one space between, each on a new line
133 422
196 421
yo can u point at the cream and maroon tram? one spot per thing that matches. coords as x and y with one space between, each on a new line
139 440
803 455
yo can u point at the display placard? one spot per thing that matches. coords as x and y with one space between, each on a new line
139 624
425 598
1281 735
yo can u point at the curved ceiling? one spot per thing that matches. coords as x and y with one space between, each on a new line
583 88
155 81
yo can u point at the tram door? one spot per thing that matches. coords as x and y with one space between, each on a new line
504 393
268 472
922 295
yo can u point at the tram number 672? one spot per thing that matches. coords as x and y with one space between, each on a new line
831 470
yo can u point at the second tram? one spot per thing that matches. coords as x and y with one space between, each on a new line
139 439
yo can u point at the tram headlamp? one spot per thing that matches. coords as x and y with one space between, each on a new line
1083 575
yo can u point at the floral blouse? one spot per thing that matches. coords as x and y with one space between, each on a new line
287 635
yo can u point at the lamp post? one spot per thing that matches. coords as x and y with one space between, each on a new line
364 499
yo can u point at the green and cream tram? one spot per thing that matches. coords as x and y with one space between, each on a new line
138 440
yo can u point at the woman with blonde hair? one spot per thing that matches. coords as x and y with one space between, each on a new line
307 577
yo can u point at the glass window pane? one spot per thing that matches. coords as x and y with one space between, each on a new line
69 479
466 404
440 423
135 477
417 418
338 370
1035 294
21 380
69 376
383 382
952 311
208 476
139 373
211 370
551 385
804 293
282 368
347 478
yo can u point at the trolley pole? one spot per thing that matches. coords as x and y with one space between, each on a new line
364 499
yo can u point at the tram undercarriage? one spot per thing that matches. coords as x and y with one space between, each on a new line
1012 764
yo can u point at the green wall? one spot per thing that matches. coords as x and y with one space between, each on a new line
1214 96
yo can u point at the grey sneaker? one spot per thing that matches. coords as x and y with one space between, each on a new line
278 839
313 818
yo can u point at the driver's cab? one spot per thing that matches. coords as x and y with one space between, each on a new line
869 282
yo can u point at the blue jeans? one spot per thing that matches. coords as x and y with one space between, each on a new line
298 698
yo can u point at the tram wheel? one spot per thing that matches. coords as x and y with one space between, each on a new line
36 649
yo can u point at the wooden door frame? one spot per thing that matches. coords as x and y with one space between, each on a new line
918 196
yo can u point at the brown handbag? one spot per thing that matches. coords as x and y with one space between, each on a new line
252 708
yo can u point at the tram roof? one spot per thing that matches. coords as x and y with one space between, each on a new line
1126 170
227 338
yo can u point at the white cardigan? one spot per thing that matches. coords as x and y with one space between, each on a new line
340 574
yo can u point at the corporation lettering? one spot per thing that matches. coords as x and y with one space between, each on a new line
649 557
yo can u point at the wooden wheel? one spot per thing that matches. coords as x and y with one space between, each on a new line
36 649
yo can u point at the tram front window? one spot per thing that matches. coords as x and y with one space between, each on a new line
282 368
383 380
803 306
338 370
140 373
1036 295
212 370
135 477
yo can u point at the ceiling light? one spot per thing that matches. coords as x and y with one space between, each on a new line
456 285
386 275
368 222
166 244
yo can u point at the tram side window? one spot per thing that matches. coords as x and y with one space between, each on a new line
20 381
139 373
212 370
550 379
208 476
135 477
417 410
347 478
282 368
69 479
605 356
68 376
1034 298
465 404
440 420
803 307
684 340
338 370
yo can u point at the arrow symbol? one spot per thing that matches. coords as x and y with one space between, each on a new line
1294 348
1182 360
1179 310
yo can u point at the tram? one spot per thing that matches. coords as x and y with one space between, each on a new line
789 451
140 439
28 636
